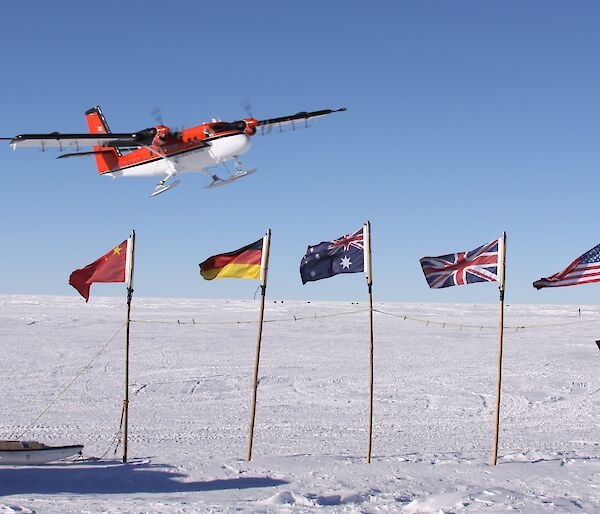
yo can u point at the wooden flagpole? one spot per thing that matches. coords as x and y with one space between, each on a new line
264 267
129 280
502 269
369 275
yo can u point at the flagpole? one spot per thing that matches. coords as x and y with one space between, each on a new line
129 279
502 254
369 274
264 266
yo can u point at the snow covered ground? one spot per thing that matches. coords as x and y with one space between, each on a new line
191 391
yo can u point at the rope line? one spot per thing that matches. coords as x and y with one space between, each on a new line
442 323
495 327
117 438
249 322
404 317
64 390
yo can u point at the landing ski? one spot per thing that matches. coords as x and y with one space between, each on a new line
164 187
217 181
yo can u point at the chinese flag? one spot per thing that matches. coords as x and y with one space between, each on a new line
108 268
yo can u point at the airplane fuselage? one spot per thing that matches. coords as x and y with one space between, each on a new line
184 156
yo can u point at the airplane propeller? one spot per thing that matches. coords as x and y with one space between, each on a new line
247 107
157 115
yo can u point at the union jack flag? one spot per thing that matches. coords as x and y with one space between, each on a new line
457 269
346 242
583 270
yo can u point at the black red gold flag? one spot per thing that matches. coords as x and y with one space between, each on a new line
242 263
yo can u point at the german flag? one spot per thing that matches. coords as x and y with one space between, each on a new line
242 263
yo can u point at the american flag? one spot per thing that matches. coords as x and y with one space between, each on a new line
456 269
583 270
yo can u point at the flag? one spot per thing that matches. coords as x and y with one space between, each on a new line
583 270
328 258
242 263
108 268
456 269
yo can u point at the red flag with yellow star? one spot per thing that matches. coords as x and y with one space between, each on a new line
108 268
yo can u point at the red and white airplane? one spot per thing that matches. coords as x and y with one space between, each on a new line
160 152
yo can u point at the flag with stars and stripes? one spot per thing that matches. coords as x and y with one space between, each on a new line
329 258
583 270
456 269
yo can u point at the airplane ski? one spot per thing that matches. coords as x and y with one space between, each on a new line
217 181
164 187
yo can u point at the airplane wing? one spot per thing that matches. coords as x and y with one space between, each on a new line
295 120
76 141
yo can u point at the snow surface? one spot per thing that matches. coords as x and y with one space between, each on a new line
191 391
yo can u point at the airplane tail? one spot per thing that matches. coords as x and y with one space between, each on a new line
107 159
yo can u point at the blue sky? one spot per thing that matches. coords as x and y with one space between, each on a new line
464 119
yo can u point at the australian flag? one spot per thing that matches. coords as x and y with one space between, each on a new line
328 258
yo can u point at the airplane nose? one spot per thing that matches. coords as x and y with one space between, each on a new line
244 143
228 147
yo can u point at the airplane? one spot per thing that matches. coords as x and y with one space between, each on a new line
160 151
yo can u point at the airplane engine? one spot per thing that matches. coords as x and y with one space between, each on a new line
250 129
161 135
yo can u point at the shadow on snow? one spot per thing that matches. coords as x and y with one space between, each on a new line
101 478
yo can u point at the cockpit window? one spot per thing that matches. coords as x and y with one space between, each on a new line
222 127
